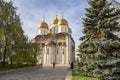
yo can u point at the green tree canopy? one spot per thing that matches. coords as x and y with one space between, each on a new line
15 45
100 49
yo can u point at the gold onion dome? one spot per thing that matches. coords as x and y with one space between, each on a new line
62 22
69 30
55 21
43 25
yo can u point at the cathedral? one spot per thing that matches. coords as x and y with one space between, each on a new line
56 42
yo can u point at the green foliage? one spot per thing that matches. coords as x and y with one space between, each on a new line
15 46
79 77
14 66
26 54
100 49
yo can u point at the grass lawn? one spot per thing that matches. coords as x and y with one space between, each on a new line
77 77
13 66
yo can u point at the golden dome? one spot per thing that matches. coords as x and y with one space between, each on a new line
43 25
69 30
62 22
49 32
55 21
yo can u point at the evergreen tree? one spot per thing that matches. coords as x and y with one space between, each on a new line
100 49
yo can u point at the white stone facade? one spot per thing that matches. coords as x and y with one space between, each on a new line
59 48
43 31
56 44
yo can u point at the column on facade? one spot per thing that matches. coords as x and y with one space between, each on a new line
57 55
62 55
70 49
44 55
47 55
67 50
59 51
56 52
51 55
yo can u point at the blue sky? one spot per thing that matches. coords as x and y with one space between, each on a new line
32 12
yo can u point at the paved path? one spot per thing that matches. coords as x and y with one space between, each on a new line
47 73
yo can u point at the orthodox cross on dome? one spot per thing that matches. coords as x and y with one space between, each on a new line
56 14
62 15
43 18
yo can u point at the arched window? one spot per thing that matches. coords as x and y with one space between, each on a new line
62 29
65 29
44 31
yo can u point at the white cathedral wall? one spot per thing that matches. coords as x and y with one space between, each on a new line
52 54
60 54
49 54
62 29
54 28
44 57
63 55
56 53
67 50
43 31
70 50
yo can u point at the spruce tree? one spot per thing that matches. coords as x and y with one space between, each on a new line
100 47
